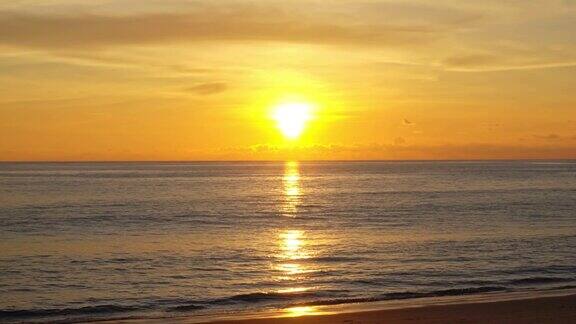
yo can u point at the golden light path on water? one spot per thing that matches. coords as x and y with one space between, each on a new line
293 243
292 190
301 311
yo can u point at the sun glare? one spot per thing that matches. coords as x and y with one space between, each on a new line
301 311
292 117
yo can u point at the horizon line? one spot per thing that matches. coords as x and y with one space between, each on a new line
290 160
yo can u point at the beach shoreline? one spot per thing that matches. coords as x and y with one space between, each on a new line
554 306
547 309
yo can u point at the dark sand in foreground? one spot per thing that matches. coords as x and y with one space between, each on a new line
536 310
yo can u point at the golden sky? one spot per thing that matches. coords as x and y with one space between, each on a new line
201 79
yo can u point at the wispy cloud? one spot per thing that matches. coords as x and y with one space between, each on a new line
554 137
509 62
92 31
208 88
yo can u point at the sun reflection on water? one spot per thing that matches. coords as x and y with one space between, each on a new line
292 189
291 249
293 244
301 311
293 290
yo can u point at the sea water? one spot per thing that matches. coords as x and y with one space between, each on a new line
87 241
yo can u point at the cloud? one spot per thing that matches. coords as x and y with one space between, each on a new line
208 88
394 151
554 137
549 137
508 62
466 61
93 31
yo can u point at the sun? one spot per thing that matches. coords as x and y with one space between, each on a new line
291 118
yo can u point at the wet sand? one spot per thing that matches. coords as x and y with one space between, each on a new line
561 309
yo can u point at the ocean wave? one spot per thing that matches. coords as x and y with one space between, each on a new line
406 295
291 298
329 259
265 296
279 299
88 310
295 298
186 308
539 280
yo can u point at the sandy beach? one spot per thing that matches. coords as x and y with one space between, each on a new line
558 309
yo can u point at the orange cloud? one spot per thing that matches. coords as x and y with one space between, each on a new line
90 30
208 88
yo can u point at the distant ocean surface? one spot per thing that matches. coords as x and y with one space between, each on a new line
86 241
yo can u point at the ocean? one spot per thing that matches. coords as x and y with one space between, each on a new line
92 241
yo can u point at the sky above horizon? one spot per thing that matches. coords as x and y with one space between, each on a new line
199 80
